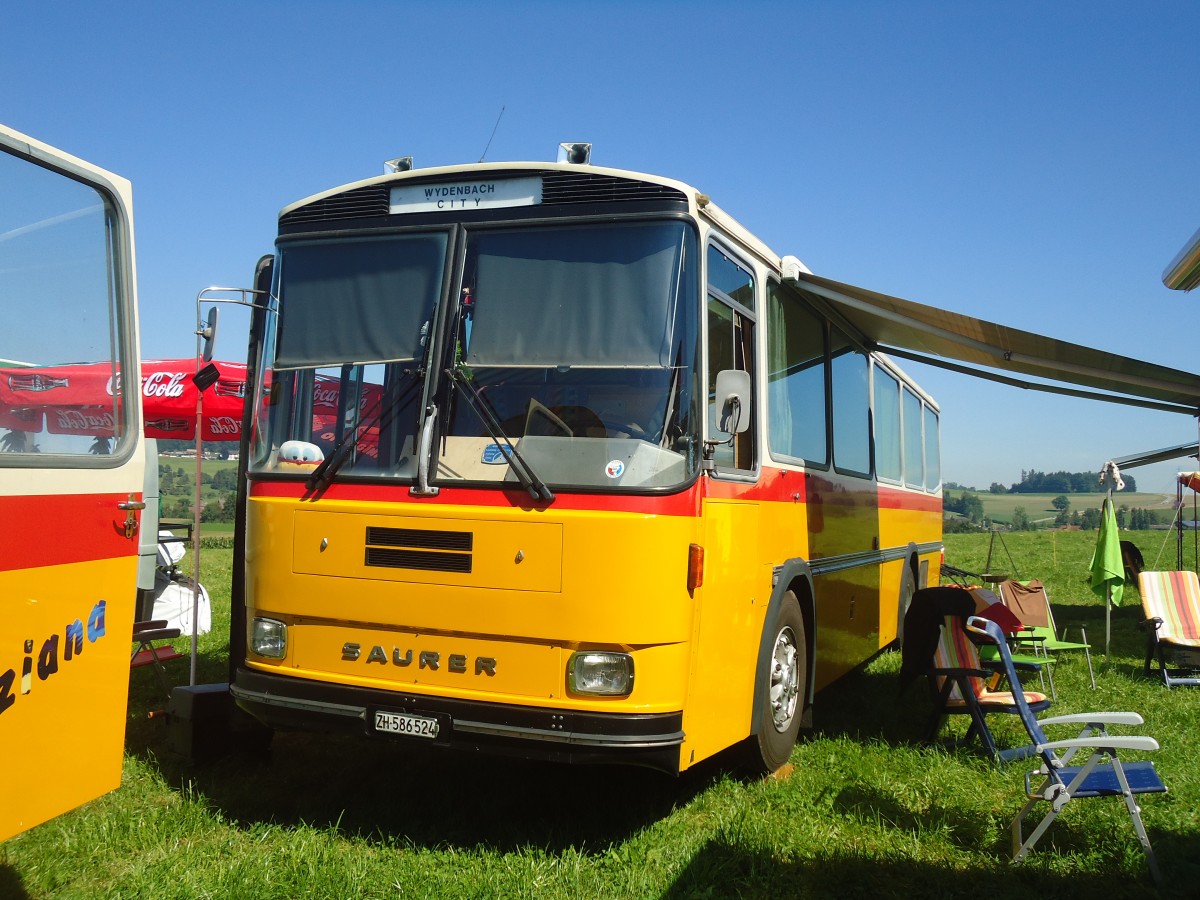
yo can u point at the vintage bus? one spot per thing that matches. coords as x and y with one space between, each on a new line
561 461
69 502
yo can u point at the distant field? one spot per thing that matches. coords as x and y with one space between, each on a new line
1039 508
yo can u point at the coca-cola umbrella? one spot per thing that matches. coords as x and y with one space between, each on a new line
78 399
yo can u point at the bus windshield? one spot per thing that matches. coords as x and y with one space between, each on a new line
573 348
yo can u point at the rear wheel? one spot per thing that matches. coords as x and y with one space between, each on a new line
907 589
783 689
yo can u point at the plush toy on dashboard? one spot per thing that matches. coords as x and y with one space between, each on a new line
298 456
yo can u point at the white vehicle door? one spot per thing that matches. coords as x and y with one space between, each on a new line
71 467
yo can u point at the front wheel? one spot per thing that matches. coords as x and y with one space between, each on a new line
782 691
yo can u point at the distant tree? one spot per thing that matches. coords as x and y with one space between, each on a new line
1020 520
1061 503
997 488
177 508
225 480
1090 519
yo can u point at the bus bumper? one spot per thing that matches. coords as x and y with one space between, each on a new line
528 732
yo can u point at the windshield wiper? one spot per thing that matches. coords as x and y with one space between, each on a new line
524 472
322 476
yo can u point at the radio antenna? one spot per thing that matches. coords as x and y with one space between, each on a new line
494 127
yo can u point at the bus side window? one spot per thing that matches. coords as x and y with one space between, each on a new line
914 450
933 451
888 437
730 346
851 408
795 378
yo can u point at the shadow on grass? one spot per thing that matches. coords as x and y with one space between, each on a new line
397 794
12 887
724 869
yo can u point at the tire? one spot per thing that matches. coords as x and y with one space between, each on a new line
783 689
907 589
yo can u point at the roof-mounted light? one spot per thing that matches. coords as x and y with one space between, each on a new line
577 153
399 164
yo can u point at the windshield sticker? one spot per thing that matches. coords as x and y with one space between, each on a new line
495 455
615 469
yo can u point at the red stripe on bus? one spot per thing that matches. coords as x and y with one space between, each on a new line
773 485
782 485
682 503
59 529
895 498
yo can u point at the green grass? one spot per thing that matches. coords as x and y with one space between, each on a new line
868 810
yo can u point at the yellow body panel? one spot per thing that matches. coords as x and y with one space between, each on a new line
588 579
64 683
541 583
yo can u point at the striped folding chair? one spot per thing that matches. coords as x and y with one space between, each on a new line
1171 602
962 687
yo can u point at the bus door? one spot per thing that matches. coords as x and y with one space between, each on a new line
71 469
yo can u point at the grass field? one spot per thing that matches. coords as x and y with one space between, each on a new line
1041 511
868 810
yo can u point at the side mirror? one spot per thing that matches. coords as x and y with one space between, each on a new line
732 396
208 332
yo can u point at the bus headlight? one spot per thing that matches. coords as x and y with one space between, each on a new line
600 672
268 637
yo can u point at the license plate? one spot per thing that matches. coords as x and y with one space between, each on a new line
406 723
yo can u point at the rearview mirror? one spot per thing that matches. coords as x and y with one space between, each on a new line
208 331
732 396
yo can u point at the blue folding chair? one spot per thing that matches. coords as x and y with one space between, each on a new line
1102 775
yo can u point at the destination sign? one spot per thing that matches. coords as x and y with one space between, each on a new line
465 195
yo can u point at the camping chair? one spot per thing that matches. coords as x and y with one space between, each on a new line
146 635
963 687
1102 775
1171 602
1029 602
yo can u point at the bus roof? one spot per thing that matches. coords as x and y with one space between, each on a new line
699 203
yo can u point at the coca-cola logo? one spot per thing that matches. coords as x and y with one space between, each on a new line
81 420
163 384
224 425
325 397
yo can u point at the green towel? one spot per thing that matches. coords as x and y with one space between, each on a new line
1108 572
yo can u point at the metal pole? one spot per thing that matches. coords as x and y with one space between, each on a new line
196 510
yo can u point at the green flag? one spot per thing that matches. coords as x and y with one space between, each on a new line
1108 572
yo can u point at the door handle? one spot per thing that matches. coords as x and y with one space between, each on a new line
130 507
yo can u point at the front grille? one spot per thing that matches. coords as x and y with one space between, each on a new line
426 551
373 200
414 537
558 188
423 560
585 187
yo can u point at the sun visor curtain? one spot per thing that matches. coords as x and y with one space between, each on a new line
577 297
357 301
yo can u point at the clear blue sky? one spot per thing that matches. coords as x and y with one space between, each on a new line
1026 162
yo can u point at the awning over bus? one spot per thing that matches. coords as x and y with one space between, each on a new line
934 336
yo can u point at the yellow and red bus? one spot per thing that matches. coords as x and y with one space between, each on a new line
69 502
561 461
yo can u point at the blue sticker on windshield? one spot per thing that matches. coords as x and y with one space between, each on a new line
495 455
